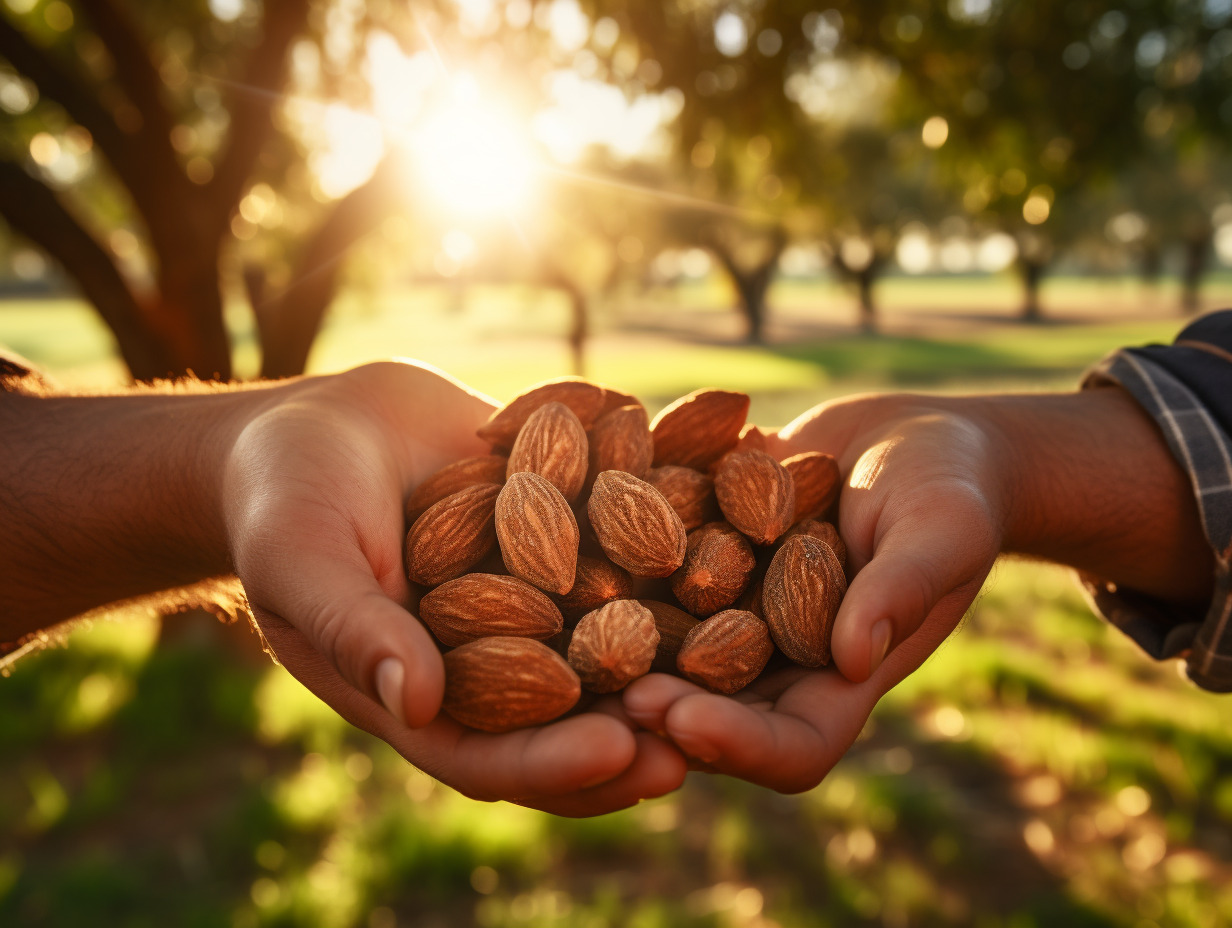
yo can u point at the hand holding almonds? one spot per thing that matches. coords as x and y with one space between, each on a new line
678 545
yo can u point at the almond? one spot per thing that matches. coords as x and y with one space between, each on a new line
553 445
499 684
485 605
823 532
750 600
614 399
537 532
620 440
635 525
613 645
816 478
755 494
598 581
452 535
803 589
726 652
698 429
688 491
718 562
672 625
485 468
751 439
586 399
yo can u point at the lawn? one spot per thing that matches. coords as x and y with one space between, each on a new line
1037 771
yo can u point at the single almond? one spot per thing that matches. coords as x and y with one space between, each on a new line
726 652
537 532
452 535
499 684
484 468
598 581
816 479
751 439
637 528
803 589
718 563
750 599
553 445
613 645
672 625
756 495
688 491
620 440
586 399
823 532
486 605
614 399
700 428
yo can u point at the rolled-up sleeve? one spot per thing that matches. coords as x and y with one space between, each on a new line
1186 387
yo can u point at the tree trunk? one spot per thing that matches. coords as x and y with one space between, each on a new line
752 285
1197 253
579 312
1031 273
868 309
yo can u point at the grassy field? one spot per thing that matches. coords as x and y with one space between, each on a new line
1038 771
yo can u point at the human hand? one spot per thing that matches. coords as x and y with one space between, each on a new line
921 514
313 497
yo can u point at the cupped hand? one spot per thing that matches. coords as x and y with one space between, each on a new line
922 514
314 490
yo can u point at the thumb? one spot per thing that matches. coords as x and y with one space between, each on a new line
930 560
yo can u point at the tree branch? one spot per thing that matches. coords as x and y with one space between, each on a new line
252 102
33 210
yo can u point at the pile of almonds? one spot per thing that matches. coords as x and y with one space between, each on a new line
593 546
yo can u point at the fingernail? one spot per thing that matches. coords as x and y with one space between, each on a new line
389 679
879 644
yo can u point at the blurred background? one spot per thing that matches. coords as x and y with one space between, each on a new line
798 200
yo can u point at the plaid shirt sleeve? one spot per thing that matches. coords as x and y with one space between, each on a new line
1187 388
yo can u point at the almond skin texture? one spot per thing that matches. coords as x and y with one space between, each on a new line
537 533
620 440
816 479
688 491
598 582
673 625
635 525
553 445
499 684
485 468
486 605
718 563
698 429
586 399
726 652
756 495
824 532
452 536
803 589
613 645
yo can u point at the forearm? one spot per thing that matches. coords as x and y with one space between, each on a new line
110 497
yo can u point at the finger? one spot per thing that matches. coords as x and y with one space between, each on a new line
925 555
647 699
658 769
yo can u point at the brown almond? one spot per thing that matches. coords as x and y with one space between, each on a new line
726 652
718 563
620 440
586 399
672 625
751 439
750 600
486 605
755 494
698 429
484 468
537 532
598 581
803 589
635 525
613 645
553 445
452 535
499 684
614 399
824 532
816 478
688 491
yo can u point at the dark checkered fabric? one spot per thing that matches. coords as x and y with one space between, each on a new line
1187 389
